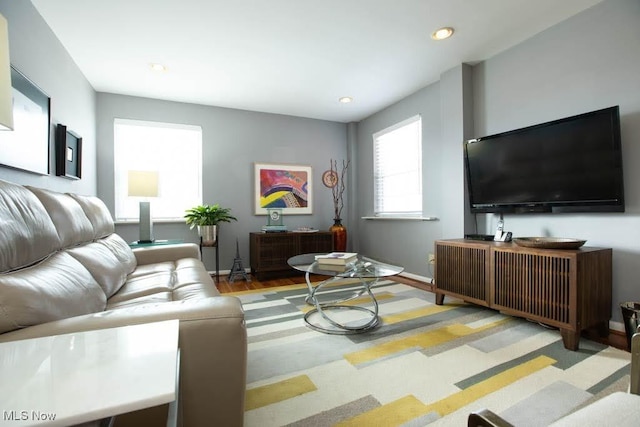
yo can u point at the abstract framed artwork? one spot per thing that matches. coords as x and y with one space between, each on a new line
285 187
27 147
68 153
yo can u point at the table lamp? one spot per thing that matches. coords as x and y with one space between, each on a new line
6 101
144 184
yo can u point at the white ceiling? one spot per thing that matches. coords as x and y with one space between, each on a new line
294 57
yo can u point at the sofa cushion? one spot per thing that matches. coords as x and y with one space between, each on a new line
121 250
71 222
56 288
183 279
98 214
27 234
105 267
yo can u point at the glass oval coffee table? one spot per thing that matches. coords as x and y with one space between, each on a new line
364 272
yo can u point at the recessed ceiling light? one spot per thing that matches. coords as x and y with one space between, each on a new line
158 67
345 99
442 33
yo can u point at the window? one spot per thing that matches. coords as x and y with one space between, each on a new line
172 153
397 169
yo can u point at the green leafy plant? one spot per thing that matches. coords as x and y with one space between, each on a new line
208 215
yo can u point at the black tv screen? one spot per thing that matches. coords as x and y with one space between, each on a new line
568 165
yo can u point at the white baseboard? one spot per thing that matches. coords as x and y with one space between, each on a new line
226 272
416 277
616 326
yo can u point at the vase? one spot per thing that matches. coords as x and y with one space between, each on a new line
208 234
339 235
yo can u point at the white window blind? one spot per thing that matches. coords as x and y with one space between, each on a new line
174 151
397 158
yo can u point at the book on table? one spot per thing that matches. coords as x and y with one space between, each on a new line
335 267
337 258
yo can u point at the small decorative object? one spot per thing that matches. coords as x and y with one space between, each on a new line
68 153
549 242
330 178
237 269
287 187
305 230
274 221
274 217
336 182
207 218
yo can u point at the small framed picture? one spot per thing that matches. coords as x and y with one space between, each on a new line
68 153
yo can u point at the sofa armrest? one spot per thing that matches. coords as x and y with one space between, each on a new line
486 418
213 352
164 253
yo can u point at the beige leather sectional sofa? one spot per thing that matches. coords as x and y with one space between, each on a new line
63 269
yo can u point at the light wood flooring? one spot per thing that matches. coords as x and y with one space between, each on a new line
615 339
224 286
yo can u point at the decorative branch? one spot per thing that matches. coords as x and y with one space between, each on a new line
337 190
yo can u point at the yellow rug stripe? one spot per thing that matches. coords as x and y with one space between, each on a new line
408 408
395 413
414 314
488 386
423 340
277 392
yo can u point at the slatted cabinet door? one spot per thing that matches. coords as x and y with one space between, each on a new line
462 270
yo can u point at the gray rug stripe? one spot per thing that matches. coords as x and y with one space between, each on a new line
338 414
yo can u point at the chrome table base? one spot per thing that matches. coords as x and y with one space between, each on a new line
326 309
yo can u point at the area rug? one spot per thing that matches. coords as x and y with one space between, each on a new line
424 365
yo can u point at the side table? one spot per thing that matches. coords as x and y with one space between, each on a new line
138 244
74 378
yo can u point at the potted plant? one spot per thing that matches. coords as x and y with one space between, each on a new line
207 218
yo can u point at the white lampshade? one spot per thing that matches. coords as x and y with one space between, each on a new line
6 99
143 183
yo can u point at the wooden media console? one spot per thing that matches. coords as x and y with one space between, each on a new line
566 288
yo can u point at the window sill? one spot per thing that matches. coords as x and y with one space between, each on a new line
401 218
155 221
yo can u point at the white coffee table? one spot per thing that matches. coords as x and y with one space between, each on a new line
70 379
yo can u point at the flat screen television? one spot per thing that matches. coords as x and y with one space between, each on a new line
567 165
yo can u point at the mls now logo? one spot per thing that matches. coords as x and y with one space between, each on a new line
28 416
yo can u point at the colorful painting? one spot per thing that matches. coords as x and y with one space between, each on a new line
286 187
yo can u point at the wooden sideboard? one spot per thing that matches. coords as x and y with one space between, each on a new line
270 251
568 289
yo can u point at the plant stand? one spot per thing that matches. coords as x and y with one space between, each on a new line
214 245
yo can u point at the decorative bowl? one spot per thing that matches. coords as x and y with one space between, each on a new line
549 242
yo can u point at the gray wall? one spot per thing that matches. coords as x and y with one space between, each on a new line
37 53
409 242
232 141
588 62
